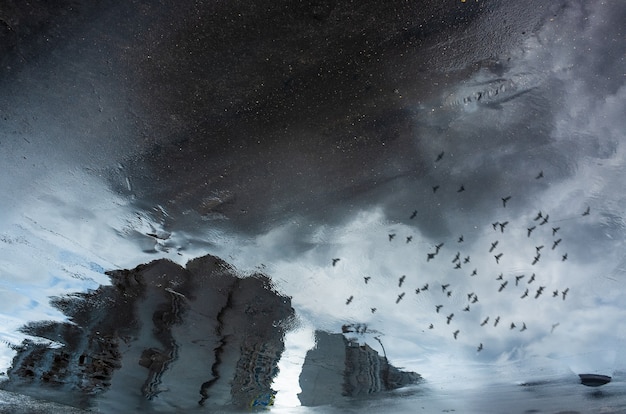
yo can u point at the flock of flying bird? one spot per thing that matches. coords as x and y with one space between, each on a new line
540 220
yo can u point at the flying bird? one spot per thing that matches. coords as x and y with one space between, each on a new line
503 285
401 280
502 226
466 309
498 256
500 277
460 240
555 229
409 239
437 307
495 225
335 261
469 295
425 287
536 259
539 291
444 287
474 272
413 215
532 279
455 333
564 293
556 243
373 310
475 299
538 248
430 256
554 326
438 247
540 175
435 188
457 257
466 260
461 189
440 156
523 327
564 257
512 325
518 278
525 294
586 212
391 236
530 230
493 246
545 220
555 293
485 321
539 216
367 279
417 291
400 296
480 347
349 300
505 200
449 293
449 318
458 265
430 326
497 321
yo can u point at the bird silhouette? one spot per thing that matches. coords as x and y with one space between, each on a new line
512 325
480 347
555 229
502 226
556 243
530 230
457 257
539 291
500 277
497 321
495 225
538 248
538 216
435 188
564 257
469 295
391 236
335 261
466 309
401 280
460 240
498 256
444 287
455 333
413 215
525 294
564 293
474 272
493 246
430 326
430 256
545 220
554 326
532 279
373 310
587 211
505 200
440 156
425 287
438 307
458 265
475 299
518 278
461 189
367 279
409 239
540 175
536 259
417 291
523 327
449 318
349 300
449 293
485 321
400 296
466 260
555 293
438 247
503 285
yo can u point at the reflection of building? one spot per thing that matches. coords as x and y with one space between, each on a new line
337 368
160 338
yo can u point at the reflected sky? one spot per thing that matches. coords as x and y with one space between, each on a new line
426 155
